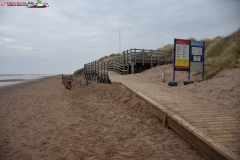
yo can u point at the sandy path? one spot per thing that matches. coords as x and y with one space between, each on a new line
222 90
42 120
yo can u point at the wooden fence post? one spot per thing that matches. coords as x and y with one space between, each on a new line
113 64
135 56
143 57
85 66
104 74
132 67
101 71
165 57
151 59
107 74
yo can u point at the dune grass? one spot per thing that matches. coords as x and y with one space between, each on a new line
79 71
107 58
167 49
220 53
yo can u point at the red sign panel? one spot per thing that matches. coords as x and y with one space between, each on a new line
181 50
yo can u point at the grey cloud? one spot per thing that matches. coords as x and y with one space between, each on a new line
83 31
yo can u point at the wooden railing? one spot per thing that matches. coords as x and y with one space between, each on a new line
96 71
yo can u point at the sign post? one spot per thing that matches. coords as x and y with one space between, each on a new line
197 57
188 56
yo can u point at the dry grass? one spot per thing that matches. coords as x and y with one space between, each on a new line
167 48
79 71
107 58
220 53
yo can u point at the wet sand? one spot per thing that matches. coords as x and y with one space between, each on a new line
43 120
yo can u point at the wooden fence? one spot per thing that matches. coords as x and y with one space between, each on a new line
130 61
96 71
77 80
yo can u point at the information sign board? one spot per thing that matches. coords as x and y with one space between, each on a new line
197 56
181 55
188 56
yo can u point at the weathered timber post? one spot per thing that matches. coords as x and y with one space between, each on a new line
95 67
104 72
135 53
127 57
89 68
130 57
85 66
123 61
143 57
151 59
101 72
165 56
92 69
113 64
132 67
107 73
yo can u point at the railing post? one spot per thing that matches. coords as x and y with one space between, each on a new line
104 72
114 64
165 59
101 71
143 57
89 69
123 55
95 67
130 57
151 59
135 54
85 66
107 74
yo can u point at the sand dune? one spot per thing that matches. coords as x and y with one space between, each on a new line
223 89
43 120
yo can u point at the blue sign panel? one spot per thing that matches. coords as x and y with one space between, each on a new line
196 51
197 57
197 43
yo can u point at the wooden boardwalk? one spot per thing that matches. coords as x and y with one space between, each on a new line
214 132
129 62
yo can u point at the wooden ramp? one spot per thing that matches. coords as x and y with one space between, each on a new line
214 132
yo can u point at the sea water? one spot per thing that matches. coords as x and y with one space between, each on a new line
11 79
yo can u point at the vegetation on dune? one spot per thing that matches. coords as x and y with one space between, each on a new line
220 53
107 58
101 60
168 48
79 71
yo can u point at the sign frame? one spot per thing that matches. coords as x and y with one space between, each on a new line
181 56
186 53
199 57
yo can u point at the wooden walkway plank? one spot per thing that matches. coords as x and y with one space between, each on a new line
210 126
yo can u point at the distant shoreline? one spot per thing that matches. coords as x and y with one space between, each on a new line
22 82
13 80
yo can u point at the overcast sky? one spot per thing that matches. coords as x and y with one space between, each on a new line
68 34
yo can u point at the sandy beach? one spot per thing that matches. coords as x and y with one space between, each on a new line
43 120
